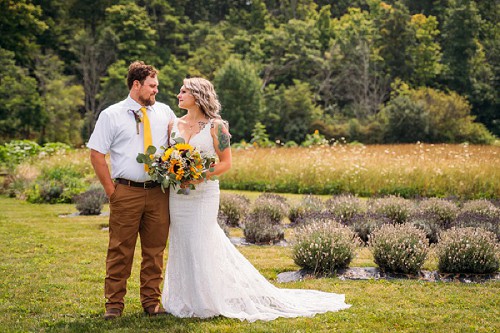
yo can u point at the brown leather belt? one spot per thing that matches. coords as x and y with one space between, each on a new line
146 185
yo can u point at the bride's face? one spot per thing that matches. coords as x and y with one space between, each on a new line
186 99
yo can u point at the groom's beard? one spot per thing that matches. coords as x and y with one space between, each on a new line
147 101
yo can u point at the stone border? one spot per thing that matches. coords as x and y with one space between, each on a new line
366 273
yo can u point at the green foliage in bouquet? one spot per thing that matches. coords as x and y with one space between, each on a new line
177 164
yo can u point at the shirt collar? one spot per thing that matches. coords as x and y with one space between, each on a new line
133 105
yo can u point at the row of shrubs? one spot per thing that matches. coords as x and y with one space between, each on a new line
432 215
323 248
399 231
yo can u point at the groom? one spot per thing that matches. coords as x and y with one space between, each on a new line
137 205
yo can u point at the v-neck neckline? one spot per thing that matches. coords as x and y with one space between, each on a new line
192 136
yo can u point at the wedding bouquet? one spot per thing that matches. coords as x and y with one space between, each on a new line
178 163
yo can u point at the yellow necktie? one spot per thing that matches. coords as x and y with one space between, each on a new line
148 139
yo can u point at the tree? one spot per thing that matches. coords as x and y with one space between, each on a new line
133 32
289 52
426 52
61 101
394 38
21 113
353 74
460 33
95 54
238 87
20 23
211 53
290 111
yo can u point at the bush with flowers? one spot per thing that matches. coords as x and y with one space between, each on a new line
274 206
396 208
344 207
324 247
468 250
259 228
177 164
308 204
235 207
400 248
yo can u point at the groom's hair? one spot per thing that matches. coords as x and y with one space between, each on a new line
139 71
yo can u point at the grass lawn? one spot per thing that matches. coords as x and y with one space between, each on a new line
52 272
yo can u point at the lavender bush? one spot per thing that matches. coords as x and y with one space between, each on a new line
344 207
324 247
396 208
235 207
468 250
400 248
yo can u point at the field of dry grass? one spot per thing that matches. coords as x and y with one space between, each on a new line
410 170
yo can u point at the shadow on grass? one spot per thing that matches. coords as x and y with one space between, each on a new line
137 323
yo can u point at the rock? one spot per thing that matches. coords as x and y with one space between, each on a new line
366 273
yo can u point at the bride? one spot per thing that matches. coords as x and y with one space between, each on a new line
206 275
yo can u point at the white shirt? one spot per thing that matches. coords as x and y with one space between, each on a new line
116 133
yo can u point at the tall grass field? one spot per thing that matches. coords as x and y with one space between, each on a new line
409 170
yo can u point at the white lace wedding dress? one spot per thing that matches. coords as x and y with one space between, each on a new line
207 276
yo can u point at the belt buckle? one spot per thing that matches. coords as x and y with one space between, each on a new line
145 185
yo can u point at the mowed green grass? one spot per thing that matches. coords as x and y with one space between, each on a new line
52 272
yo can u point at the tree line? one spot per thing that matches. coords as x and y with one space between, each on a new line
364 70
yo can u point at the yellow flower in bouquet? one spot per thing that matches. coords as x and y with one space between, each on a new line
177 164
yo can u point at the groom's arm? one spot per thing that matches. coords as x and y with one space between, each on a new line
101 169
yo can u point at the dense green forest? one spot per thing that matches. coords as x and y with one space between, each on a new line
363 70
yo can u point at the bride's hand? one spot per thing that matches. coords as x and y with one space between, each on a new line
191 182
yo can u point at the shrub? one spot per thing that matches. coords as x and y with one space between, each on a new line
314 217
91 201
315 139
291 144
467 250
479 214
273 207
396 208
364 224
344 207
57 184
222 220
234 207
475 219
443 211
309 204
260 229
19 150
323 248
433 215
482 206
399 248
55 148
429 222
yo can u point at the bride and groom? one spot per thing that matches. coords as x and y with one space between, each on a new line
206 275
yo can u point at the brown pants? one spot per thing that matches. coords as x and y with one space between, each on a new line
134 211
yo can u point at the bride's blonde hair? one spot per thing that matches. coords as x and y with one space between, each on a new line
204 96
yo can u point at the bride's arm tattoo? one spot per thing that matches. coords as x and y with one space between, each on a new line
223 137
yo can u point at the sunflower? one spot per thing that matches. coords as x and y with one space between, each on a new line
183 146
167 154
175 166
